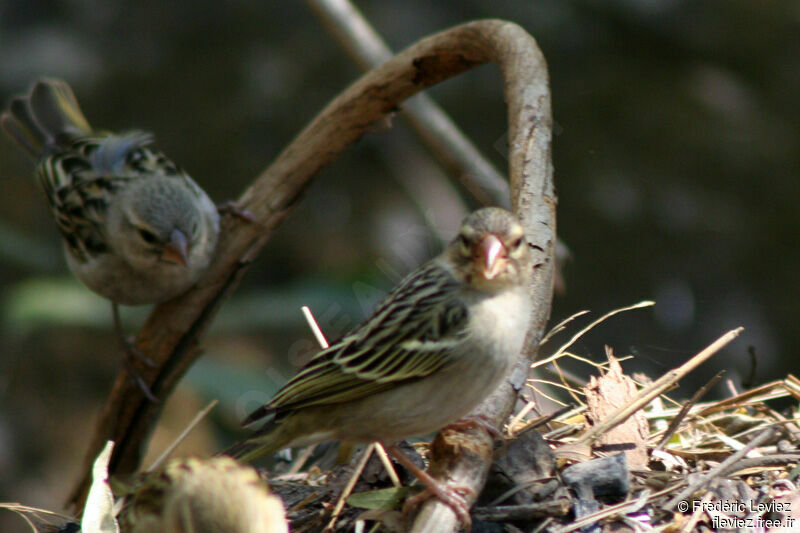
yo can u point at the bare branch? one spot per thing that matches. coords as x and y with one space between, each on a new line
170 335
429 121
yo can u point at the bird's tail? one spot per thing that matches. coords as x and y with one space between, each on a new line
269 438
247 450
48 116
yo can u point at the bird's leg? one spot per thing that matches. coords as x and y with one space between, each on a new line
130 350
232 208
452 496
127 343
480 421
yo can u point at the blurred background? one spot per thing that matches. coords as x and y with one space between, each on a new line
676 161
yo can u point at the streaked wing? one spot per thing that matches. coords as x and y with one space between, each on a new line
82 178
409 336
78 201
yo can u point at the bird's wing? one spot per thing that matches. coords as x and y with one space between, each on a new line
409 336
78 200
80 181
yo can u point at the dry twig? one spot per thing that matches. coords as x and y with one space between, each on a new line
429 121
662 384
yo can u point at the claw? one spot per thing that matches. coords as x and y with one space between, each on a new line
455 497
230 207
132 352
137 378
479 421
452 496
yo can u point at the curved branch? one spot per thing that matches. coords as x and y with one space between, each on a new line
464 458
170 335
429 121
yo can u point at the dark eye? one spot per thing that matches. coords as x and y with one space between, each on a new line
135 156
517 243
463 241
148 236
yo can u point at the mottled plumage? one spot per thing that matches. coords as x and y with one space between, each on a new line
438 344
135 227
202 496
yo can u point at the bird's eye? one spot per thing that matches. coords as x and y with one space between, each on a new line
148 236
135 156
463 241
516 244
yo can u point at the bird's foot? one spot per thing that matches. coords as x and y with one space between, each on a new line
232 208
132 352
136 376
454 497
480 421
129 348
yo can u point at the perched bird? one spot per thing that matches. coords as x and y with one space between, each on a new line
202 496
135 227
439 343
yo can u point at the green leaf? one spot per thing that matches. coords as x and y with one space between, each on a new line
378 499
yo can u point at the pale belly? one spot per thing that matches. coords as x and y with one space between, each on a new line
115 280
426 405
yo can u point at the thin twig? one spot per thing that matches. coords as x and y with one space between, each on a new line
560 352
644 396
561 326
193 424
387 464
718 470
676 422
429 121
337 510
301 459
315 329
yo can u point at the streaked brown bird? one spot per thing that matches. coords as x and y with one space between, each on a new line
439 343
135 228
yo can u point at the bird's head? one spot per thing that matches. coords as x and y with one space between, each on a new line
490 250
161 224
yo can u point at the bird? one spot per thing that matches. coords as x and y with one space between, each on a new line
204 496
135 228
438 344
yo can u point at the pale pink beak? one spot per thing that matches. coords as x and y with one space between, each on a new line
177 249
491 253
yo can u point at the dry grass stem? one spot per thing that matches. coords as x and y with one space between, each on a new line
348 488
315 329
665 382
188 429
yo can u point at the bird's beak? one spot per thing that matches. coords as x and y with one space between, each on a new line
491 254
177 249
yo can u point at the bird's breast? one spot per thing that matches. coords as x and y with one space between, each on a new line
499 323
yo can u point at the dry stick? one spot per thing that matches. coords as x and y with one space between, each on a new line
676 422
387 464
188 429
689 525
626 507
301 459
719 470
337 510
429 121
315 329
170 335
644 396
527 93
